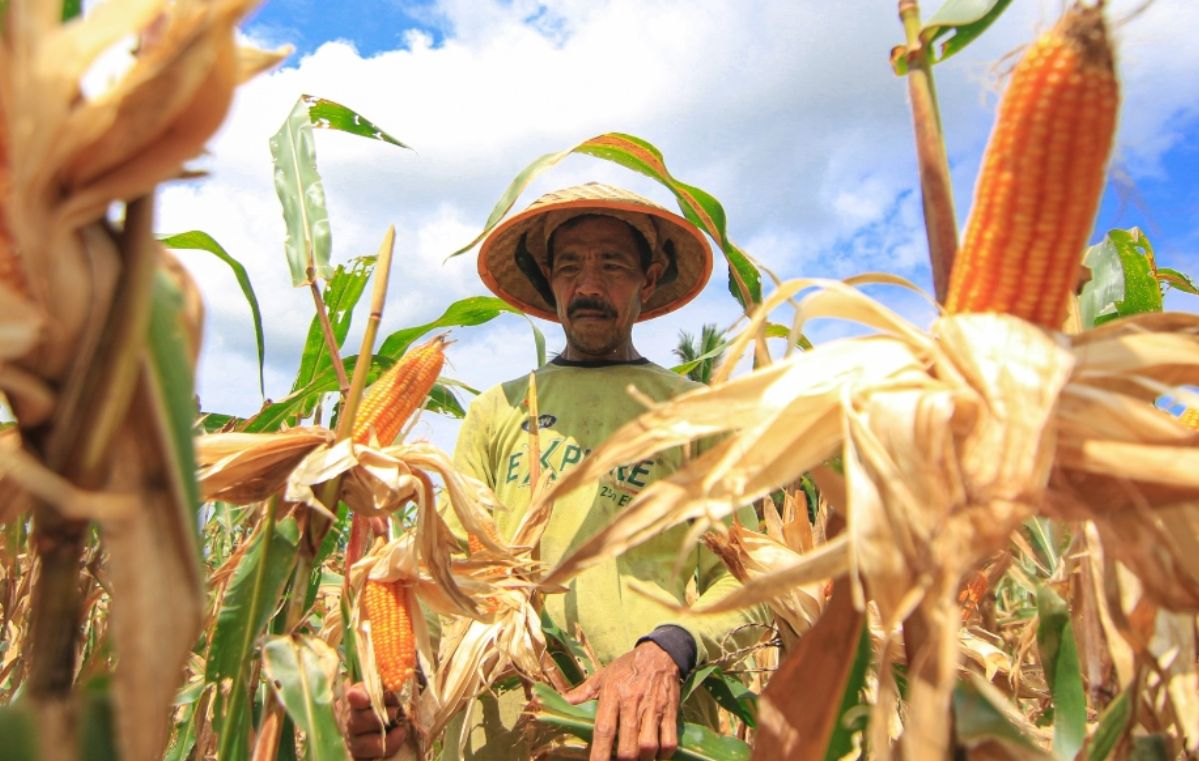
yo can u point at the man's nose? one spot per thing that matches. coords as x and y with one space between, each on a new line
591 279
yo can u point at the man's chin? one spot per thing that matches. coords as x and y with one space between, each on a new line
591 345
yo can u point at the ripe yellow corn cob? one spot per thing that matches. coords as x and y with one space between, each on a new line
475 545
392 399
1042 177
391 631
1190 418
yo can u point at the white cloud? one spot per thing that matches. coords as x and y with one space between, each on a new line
787 111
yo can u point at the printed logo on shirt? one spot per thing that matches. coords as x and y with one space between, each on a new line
543 421
559 455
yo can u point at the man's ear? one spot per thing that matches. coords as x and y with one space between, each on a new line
651 280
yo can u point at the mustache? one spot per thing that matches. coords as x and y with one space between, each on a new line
592 304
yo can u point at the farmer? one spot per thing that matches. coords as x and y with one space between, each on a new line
597 259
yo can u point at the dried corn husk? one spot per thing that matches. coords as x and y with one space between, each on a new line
950 439
75 297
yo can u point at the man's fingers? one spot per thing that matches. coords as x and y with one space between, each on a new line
606 714
628 740
364 720
585 691
668 725
648 737
357 696
376 745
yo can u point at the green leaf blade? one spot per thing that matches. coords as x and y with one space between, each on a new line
1059 658
300 670
1123 280
964 21
309 241
202 241
326 114
250 598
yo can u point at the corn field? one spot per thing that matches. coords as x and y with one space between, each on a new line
977 539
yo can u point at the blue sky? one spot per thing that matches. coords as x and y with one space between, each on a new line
786 110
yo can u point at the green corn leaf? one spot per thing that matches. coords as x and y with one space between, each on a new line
211 422
733 696
963 21
639 155
1113 723
97 719
441 399
341 295
774 330
250 599
1123 280
70 9
468 312
1059 659
18 728
696 743
980 715
326 114
475 310
202 241
302 670
565 650
309 241
172 391
538 341
694 681
1175 279
184 738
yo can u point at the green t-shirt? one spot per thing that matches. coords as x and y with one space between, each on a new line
580 405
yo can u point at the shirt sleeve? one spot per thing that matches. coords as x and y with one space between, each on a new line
726 632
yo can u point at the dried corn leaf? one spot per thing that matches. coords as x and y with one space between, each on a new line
249 467
157 591
794 721
949 441
71 155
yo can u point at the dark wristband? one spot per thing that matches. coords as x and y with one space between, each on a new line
678 644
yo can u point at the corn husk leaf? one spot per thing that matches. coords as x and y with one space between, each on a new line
797 723
949 440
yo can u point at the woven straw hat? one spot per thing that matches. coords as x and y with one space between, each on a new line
512 260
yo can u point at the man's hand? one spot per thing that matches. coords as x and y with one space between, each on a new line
639 697
364 736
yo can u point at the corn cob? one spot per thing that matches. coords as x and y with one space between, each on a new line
1042 177
1190 418
475 545
398 393
392 639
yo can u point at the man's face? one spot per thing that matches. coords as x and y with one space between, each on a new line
599 286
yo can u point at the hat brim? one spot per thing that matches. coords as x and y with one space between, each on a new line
501 273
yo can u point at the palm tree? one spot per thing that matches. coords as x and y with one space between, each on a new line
709 346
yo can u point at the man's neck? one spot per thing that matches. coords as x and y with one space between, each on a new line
625 353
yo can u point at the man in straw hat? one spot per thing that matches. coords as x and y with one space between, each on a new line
597 260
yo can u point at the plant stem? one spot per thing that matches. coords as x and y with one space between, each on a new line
345 422
95 404
327 329
936 187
